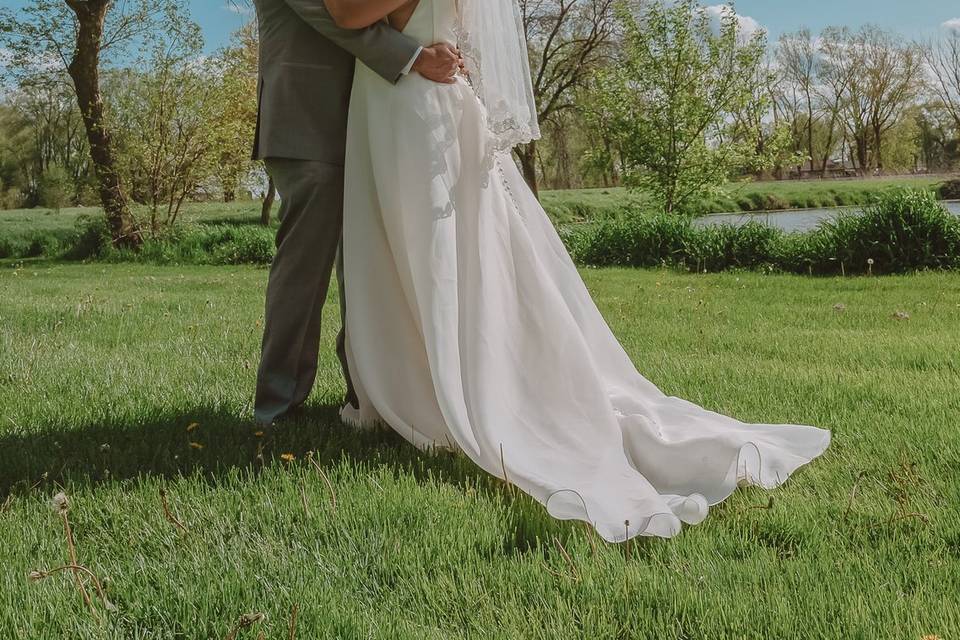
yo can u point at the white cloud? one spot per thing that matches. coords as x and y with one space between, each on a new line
953 26
747 25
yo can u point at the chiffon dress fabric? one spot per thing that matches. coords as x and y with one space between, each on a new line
469 327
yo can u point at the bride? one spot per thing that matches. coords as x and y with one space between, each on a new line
468 325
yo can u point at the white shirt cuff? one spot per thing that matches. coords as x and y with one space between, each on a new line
412 62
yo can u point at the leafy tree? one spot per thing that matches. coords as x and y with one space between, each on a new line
166 112
55 188
81 37
568 41
672 101
237 117
882 82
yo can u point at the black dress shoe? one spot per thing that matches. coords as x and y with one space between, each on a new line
291 415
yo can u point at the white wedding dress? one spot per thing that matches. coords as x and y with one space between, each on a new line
468 326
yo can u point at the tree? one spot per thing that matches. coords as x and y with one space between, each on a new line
267 207
943 63
46 114
893 70
673 96
167 114
797 56
238 116
54 188
603 156
568 41
755 123
833 75
78 36
882 81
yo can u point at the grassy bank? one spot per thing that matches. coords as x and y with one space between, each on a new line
119 381
590 204
23 227
904 230
38 232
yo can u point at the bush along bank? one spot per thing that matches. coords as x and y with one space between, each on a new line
904 230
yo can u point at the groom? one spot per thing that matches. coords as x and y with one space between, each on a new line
306 73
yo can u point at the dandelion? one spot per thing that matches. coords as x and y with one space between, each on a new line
870 266
60 503
36 576
288 457
258 434
105 447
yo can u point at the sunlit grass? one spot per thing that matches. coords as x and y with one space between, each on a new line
118 382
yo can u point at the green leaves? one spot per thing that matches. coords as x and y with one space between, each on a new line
671 104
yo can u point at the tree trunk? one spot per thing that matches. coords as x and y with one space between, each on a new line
528 164
878 141
862 155
810 129
268 203
84 70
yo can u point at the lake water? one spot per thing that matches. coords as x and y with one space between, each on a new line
796 220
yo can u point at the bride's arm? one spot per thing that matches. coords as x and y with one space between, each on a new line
358 14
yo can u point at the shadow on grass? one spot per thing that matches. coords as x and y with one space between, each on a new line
210 442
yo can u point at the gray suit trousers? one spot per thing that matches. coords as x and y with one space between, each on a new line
308 245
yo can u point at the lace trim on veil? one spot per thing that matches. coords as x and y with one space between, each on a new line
501 81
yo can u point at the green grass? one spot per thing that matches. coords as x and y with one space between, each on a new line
577 205
23 225
807 194
587 204
104 367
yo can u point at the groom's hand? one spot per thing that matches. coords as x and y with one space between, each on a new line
439 63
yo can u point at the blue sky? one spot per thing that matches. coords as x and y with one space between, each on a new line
913 18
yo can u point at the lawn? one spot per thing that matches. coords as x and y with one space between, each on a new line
119 382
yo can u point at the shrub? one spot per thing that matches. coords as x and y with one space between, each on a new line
633 240
904 230
724 247
950 190
245 245
91 239
13 248
11 198
42 244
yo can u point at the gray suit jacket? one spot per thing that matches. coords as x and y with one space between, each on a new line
306 73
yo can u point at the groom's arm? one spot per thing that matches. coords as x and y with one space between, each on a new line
381 47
